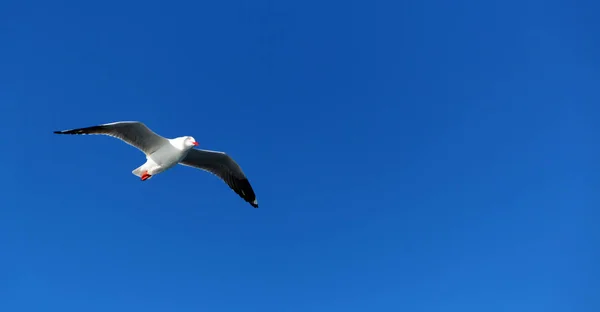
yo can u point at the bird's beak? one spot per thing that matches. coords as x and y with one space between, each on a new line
195 143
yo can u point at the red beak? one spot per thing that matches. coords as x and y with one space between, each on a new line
195 143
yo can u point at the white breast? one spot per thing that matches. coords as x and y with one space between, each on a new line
167 156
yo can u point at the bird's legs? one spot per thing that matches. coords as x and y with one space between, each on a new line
145 176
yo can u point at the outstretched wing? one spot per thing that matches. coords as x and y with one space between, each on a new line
133 133
224 167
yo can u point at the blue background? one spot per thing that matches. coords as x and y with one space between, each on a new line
407 156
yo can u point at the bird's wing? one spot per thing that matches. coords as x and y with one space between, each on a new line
224 167
133 133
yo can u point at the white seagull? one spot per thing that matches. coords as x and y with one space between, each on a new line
162 154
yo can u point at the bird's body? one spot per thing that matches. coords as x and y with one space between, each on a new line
163 154
166 157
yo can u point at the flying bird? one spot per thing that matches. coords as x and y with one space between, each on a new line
163 154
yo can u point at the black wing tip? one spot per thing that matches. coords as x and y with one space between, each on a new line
246 192
85 130
68 132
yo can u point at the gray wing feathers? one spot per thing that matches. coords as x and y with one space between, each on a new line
224 167
133 133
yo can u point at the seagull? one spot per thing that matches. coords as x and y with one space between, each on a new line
163 154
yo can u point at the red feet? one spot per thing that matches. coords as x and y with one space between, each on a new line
145 176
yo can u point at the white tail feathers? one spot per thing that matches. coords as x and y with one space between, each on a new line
149 165
139 171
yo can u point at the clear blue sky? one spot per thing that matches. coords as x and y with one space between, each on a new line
407 156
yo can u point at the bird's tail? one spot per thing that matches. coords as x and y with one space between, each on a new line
148 165
139 171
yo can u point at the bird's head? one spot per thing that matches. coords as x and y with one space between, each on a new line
189 142
183 143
